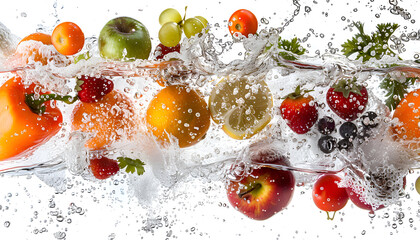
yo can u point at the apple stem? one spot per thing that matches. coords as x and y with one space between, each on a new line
328 215
256 186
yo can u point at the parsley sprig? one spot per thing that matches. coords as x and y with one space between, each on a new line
131 165
368 46
291 47
395 90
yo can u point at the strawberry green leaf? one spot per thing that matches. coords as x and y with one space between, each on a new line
395 90
369 46
347 86
131 165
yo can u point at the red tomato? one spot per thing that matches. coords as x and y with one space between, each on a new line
327 195
244 22
68 38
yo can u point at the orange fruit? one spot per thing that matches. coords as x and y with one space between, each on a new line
408 114
68 38
26 50
41 37
109 119
179 111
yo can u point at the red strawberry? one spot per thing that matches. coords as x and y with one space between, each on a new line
347 99
161 50
92 89
299 111
103 168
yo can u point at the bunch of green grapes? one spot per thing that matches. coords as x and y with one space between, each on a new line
173 25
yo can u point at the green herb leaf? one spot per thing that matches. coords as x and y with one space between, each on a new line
131 165
292 46
395 90
368 46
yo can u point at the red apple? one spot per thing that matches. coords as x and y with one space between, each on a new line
359 200
264 191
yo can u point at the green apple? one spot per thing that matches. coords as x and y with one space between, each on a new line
124 38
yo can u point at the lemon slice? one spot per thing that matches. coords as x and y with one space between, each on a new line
242 105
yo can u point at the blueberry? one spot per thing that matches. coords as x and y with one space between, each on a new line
364 134
327 144
348 130
326 125
369 120
344 144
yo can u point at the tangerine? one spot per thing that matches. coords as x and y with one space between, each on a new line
408 114
179 111
36 50
110 119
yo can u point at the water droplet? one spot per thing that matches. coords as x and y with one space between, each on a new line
7 224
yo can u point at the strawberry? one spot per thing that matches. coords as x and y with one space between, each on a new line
92 89
103 168
347 99
299 110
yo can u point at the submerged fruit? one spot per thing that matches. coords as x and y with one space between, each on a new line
408 115
108 120
241 105
34 47
299 109
22 130
178 111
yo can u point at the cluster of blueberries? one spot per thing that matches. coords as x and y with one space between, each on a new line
348 131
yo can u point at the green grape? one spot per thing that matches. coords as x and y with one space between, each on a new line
192 26
418 185
203 20
169 15
170 34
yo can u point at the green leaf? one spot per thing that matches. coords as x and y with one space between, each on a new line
347 86
131 165
369 46
85 56
395 90
292 47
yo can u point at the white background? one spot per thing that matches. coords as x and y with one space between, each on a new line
196 212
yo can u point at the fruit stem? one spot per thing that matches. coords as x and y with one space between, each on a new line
328 215
297 93
183 20
36 104
254 187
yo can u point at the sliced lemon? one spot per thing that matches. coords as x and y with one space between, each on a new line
241 105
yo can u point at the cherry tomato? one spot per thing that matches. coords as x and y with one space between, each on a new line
68 38
244 22
327 195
